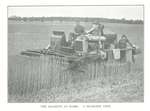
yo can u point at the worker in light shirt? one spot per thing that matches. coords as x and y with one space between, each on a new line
97 29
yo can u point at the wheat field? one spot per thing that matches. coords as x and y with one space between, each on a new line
32 86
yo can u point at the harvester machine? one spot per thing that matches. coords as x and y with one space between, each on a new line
78 48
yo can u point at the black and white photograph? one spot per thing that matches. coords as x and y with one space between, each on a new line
75 54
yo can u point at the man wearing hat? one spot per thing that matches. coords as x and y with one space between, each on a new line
123 45
79 29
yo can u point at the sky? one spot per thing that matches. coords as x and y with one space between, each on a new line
116 12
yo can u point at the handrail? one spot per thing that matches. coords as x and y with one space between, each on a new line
125 49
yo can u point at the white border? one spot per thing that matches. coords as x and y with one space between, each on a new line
32 106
